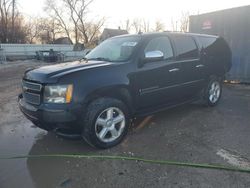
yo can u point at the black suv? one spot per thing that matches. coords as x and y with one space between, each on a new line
124 77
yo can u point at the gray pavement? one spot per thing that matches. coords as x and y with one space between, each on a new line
191 133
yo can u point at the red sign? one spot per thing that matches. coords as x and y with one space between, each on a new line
207 25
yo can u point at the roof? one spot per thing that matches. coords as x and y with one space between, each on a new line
107 33
166 33
63 40
115 32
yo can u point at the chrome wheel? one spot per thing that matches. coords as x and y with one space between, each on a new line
214 92
110 124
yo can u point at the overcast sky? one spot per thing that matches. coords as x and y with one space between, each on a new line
117 11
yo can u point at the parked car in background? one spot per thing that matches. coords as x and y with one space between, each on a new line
125 77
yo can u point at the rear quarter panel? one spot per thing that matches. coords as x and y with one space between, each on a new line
217 57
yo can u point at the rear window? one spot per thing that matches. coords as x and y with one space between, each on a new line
185 47
207 41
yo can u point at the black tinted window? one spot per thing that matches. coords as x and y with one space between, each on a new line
207 41
185 47
160 44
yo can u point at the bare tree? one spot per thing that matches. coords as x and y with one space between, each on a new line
136 24
32 30
13 17
126 25
11 22
184 21
140 25
159 26
174 24
57 13
49 30
93 30
79 9
4 15
145 26
75 18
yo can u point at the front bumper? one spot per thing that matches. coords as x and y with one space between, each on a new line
52 116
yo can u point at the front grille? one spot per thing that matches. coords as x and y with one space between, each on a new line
32 92
32 86
32 98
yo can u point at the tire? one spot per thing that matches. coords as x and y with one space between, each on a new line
213 92
106 123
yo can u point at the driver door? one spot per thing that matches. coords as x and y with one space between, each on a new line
157 81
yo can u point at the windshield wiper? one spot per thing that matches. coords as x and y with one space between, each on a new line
84 59
100 59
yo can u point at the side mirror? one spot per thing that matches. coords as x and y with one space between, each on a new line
153 56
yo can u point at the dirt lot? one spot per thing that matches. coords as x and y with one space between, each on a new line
191 133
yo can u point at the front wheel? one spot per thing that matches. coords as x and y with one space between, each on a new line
106 123
213 92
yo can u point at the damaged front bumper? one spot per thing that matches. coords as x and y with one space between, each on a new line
51 116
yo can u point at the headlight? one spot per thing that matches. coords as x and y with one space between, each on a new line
58 94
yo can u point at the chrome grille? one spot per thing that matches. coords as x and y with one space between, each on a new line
32 86
32 92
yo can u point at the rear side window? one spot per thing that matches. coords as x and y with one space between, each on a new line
162 44
207 41
185 47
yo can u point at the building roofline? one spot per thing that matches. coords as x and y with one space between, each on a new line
222 10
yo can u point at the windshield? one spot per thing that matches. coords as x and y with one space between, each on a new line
114 49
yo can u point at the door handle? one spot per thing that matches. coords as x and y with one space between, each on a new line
173 70
199 66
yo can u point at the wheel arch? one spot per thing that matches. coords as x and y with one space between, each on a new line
119 92
215 76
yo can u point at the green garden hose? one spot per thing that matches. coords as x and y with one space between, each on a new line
151 161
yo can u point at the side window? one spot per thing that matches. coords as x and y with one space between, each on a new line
207 41
162 44
185 47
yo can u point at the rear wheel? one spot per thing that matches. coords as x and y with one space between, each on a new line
213 92
106 123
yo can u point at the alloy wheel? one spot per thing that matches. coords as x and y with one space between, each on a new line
110 124
214 92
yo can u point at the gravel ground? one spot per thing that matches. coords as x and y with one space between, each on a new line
191 133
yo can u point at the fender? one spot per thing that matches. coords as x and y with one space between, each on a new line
120 92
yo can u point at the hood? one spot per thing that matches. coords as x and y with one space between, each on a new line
51 73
